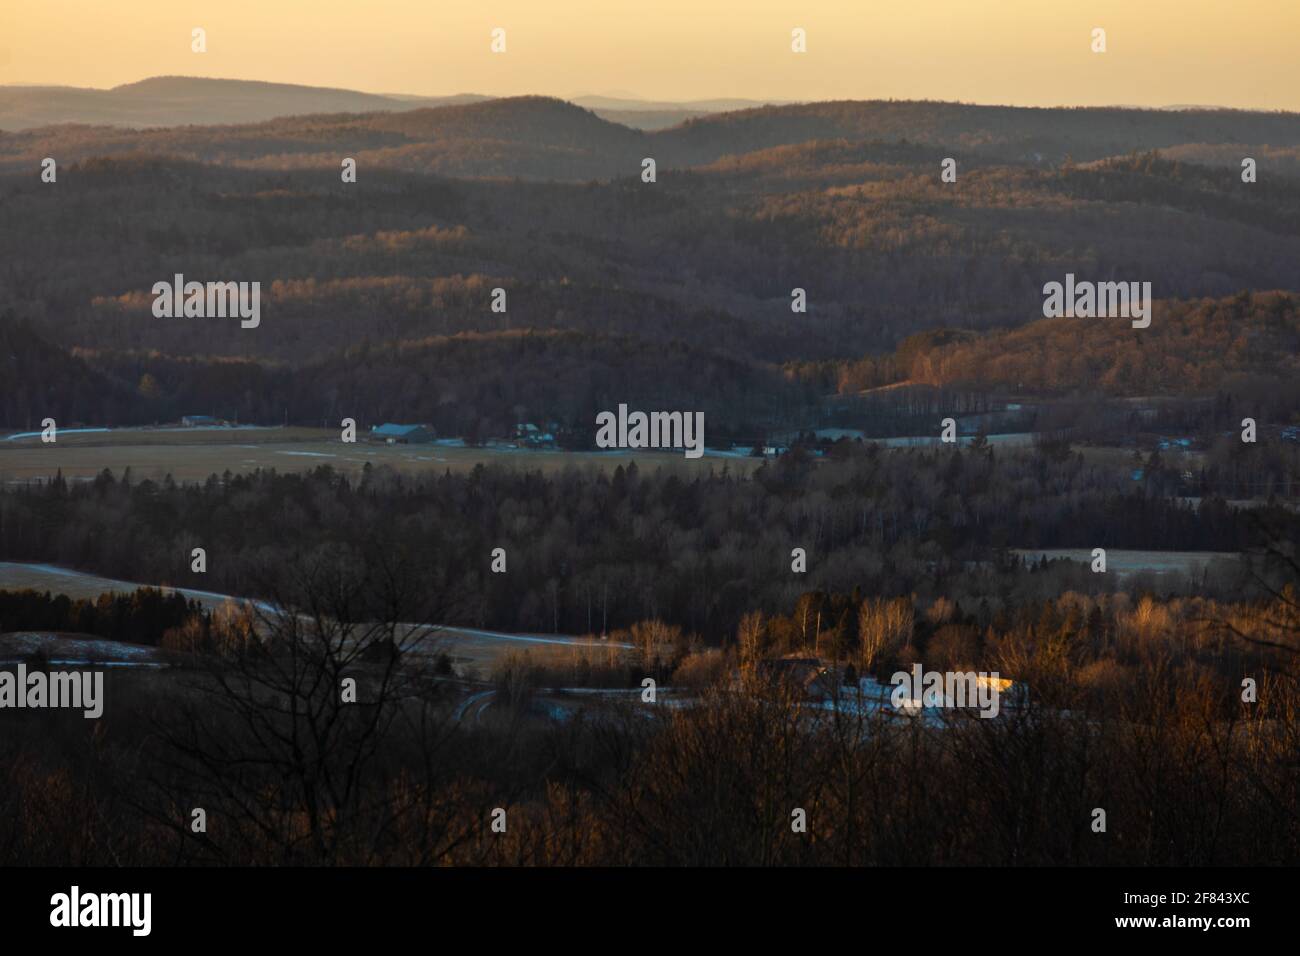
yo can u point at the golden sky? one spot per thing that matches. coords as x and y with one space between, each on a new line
1241 53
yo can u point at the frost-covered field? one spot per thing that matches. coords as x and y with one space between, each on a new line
470 647
192 454
63 649
1125 563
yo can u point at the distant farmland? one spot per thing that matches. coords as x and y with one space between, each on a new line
194 454
1126 563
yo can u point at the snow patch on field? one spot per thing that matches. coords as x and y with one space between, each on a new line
1125 562
61 649
62 431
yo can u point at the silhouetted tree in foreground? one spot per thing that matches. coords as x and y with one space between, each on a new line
313 728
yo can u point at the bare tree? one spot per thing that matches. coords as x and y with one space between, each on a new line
312 731
750 637
883 624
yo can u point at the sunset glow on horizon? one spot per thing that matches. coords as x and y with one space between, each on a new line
1022 52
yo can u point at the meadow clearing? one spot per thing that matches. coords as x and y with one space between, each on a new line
474 651
192 454
1130 562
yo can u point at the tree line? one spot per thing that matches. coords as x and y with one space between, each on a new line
590 550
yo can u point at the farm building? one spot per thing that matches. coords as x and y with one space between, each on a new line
402 434
530 436
808 676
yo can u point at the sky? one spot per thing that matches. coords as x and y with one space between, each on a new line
1237 53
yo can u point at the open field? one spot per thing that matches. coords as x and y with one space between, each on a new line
469 648
1126 563
192 454
15 576
1010 439
75 649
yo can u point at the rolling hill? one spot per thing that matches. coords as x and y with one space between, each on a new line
168 101
543 199
189 101
548 139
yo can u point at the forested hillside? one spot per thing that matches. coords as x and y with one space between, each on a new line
640 288
467 138
640 544
1192 347
42 381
